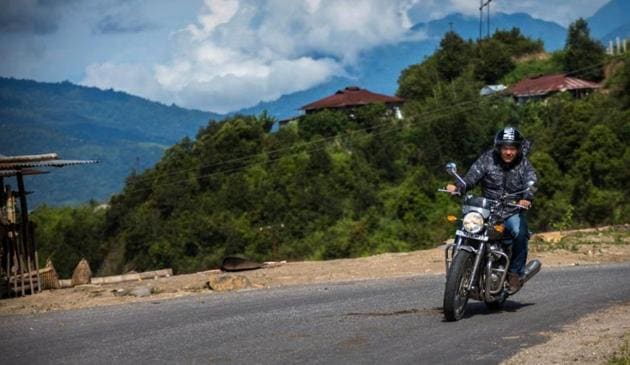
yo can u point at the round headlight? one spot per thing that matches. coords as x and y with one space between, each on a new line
473 222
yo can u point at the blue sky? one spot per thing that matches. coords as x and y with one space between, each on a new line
219 55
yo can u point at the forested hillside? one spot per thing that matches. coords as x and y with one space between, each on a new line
336 185
124 132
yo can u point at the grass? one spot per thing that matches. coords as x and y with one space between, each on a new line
623 357
618 235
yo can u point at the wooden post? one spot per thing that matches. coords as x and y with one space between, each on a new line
17 259
3 199
12 238
31 227
24 228
6 243
3 231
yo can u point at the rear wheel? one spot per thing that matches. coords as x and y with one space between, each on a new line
455 293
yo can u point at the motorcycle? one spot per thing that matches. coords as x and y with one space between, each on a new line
477 261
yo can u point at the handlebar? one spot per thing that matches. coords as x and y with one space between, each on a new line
497 202
518 206
450 192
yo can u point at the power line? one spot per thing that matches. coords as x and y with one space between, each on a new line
381 128
453 108
284 149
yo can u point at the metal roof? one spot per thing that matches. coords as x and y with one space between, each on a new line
543 85
11 165
27 158
351 96
53 163
7 173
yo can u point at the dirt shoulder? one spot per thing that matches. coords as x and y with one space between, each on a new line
586 247
593 339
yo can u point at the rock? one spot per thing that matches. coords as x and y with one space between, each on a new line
141 291
120 292
82 273
228 282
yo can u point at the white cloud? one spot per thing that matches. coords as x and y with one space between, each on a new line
242 52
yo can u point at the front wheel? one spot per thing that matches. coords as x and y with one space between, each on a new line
455 293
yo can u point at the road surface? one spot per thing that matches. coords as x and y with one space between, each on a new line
394 321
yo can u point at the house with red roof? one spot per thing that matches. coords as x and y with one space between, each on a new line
354 97
542 86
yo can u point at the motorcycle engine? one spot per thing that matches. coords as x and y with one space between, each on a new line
495 279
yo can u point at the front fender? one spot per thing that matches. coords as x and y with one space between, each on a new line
468 249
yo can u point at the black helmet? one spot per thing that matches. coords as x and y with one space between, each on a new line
508 136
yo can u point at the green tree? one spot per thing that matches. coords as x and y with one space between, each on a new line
494 62
584 56
620 81
453 56
66 235
517 43
417 81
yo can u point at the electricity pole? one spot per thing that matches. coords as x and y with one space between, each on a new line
483 4
480 17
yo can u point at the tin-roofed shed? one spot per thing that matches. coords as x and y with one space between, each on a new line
352 97
19 267
542 86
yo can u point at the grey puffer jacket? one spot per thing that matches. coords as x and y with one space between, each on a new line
498 177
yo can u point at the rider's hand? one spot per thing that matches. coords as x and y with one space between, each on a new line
525 203
451 188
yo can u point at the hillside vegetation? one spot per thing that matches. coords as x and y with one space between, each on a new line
337 185
124 132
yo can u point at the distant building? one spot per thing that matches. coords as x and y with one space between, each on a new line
353 97
540 87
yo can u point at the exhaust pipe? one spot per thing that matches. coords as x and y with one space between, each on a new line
532 268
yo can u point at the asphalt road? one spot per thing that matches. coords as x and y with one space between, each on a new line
383 321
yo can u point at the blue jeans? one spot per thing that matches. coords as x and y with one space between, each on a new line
516 225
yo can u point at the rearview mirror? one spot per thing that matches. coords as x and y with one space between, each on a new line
451 169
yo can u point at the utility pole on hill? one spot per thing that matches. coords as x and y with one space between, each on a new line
483 4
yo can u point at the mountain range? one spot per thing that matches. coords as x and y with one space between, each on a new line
122 131
128 133
611 21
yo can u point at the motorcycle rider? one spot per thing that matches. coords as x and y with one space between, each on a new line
505 168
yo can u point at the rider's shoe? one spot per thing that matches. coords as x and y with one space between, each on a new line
515 282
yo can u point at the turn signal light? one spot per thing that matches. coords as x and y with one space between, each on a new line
499 228
451 218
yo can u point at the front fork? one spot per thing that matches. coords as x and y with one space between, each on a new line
473 276
452 249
